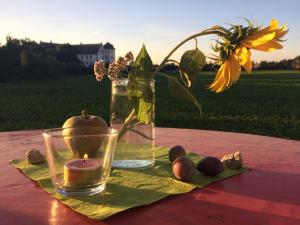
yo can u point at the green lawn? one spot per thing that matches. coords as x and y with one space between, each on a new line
266 103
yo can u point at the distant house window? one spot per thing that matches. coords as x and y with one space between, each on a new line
106 57
90 56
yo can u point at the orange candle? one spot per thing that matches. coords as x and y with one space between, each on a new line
82 172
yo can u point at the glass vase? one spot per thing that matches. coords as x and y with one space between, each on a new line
132 115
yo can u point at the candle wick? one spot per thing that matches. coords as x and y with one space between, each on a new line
85 158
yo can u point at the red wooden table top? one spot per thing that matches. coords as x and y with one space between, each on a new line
268 194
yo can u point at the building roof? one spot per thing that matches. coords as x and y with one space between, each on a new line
88 48
84 49
108 46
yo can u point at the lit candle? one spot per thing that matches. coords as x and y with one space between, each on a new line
82 172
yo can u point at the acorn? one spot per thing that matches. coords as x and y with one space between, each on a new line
210 166
183 168
175 152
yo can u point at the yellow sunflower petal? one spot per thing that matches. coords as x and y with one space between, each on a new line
219 80
257 39
268 47
228 73
274 24
243 55
235 68
264 31
248 65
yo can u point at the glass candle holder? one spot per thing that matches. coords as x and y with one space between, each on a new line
80 158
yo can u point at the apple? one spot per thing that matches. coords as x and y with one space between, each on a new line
75 130
85 120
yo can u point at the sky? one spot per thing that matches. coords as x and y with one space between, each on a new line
159 24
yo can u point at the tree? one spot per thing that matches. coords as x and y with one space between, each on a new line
66 53
25 59
296 63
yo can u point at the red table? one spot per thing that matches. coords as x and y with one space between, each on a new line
268 194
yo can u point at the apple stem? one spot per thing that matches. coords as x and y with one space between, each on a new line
84 114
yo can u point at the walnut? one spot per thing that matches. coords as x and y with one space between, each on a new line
232 160
34 156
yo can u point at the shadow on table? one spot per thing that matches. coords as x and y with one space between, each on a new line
261 184
114 196
184 209
213 203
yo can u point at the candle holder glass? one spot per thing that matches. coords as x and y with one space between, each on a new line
80 158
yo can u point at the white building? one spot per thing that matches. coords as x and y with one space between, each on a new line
88 54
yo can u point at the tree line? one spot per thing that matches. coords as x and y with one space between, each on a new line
24 59
285 64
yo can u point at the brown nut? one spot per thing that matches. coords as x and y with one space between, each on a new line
34 156
183 168
210 166
233 160
175 152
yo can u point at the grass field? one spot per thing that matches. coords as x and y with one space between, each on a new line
266 103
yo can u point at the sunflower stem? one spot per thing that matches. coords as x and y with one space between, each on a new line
202 33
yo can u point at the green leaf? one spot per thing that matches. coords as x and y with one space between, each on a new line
141 97
139 90
143 66
190 65
178 90
144 111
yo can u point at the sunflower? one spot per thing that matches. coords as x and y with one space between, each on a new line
235 50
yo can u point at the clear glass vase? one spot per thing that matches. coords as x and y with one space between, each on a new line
132 114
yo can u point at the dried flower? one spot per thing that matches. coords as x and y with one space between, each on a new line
99 70
129 57
113 70
122 64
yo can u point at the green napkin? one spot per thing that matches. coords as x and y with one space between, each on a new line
125 189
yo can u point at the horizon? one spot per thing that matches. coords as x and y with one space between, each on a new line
84 22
